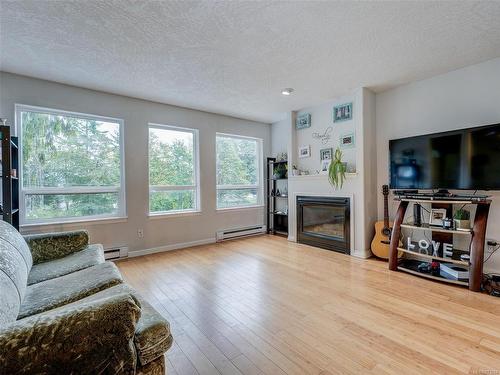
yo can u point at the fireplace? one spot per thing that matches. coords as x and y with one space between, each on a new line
324 222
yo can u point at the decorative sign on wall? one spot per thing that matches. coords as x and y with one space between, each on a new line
303 121
325 136
347 140
304 151
342 112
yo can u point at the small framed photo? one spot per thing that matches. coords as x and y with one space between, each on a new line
304 151
325 154
436 217
347 141
303 121
342 112
325 165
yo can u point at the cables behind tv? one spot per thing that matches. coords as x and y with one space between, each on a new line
491 253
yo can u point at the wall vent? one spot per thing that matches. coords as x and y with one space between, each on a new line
114 253
229 234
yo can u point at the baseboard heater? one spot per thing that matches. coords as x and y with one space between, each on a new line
230 234
114 253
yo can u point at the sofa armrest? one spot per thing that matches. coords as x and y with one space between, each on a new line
50 246
94 337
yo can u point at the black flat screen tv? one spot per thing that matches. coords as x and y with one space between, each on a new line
465 159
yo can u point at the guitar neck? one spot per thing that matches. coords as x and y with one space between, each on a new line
386 212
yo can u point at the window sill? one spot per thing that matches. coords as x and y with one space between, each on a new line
240 208
76 222
166 215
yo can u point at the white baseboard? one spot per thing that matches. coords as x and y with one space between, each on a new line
363 254
175 246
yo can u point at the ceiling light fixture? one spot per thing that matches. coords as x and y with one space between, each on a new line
287 92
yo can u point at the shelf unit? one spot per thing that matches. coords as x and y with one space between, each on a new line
411 268
430 257
277 221
476 252
10 181
437 229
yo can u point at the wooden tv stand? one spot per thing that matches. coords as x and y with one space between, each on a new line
477 233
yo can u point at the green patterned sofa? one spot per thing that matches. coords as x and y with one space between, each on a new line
64 310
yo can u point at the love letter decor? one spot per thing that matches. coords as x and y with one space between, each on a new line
424 247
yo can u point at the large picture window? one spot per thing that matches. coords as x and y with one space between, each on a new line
239 162
71 166
173 169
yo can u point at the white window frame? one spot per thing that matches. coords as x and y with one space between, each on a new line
122 209
260 175
196 187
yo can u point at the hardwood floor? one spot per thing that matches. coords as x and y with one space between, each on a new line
263 305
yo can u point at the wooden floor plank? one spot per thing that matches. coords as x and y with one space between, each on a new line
263 305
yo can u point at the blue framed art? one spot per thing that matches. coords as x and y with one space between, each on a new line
303 121
342 112
347 141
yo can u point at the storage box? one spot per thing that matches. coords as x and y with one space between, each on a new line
454 271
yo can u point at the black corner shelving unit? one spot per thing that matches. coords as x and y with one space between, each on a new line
10 178
277 204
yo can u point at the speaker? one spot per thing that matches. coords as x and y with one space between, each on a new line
417 215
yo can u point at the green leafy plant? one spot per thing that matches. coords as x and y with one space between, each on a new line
462 215
337 169
280 170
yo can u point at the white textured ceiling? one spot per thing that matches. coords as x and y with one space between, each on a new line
234 57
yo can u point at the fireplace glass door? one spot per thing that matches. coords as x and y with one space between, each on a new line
320 220
324 222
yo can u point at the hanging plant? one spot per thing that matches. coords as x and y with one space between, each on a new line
337 169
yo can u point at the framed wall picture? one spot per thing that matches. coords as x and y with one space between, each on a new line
347 140
303 121
325 165
304 152
325 154
436 217
342 112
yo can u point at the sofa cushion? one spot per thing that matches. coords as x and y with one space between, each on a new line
90 256
157 367
9 300
152 333
53 293
94 338
12 236
13 265
50 246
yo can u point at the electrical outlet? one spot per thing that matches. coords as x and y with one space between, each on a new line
140 233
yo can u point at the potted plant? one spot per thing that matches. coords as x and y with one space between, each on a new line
280 171
462 219
337 169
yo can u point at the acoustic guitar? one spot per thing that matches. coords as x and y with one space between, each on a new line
383 228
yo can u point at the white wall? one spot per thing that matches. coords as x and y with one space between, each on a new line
459 99
158 232
280 137
321 121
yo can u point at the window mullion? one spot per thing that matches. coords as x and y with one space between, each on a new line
159 188
237 187
71 190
